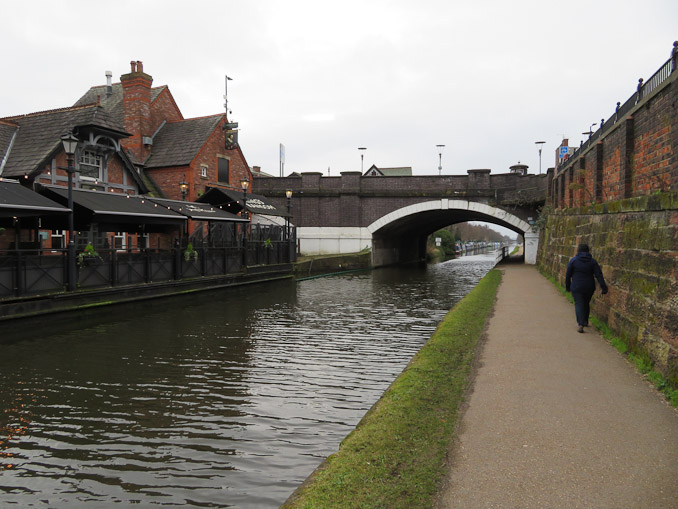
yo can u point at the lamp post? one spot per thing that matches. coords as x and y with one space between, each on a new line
183 185
539 146
288 194
440 159
70 143
244 183
362 154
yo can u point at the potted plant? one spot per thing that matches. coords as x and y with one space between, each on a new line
190 253
88 254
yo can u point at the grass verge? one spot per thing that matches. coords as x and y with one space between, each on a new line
636 355
396 455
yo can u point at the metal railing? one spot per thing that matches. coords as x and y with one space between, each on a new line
25 272
643 90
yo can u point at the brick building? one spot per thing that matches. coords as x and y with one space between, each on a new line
165 147
133 140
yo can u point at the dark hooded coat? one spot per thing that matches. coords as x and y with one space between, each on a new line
582 271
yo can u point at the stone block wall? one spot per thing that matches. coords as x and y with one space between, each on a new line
635 240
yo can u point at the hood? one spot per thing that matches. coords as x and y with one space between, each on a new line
584 256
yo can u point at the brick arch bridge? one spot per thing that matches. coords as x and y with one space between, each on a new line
392 216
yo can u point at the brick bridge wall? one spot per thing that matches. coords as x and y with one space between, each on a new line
356 200
620 195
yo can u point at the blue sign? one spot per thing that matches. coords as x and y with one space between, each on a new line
563 151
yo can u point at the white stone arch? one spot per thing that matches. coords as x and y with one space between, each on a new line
531 237
447 204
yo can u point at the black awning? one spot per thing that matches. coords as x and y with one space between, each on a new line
115 210
19 201
198 211
231 200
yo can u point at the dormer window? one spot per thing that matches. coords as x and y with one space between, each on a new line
91 165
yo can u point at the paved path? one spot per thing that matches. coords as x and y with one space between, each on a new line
557 418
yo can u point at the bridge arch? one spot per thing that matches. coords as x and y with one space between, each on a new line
502 216
400 235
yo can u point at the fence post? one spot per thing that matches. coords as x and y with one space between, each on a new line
639 90
114 267
147 265
176 266
19 274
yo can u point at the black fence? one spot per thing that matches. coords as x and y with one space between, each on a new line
44 271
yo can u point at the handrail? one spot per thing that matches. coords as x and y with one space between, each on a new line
643 90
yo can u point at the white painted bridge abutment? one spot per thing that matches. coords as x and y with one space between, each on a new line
393 216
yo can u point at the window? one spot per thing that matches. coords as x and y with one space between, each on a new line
91 165
58 239
223 170
120 240
203 172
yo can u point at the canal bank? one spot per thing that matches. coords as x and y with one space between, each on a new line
395 457
63 302
554 419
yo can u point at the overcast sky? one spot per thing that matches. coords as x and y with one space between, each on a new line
485 78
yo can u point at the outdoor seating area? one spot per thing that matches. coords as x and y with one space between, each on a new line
123 240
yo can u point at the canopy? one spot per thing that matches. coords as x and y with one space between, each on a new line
115 211
231 200
19 201
198 211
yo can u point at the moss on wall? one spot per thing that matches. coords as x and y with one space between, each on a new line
635 240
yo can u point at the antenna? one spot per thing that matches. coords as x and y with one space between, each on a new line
226 80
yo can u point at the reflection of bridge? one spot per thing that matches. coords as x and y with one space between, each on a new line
394 215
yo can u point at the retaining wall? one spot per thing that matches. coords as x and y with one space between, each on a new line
635 240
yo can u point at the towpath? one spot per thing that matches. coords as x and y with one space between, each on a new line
557 418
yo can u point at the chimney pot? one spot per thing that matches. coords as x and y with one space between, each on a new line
133 64
140 66
109 86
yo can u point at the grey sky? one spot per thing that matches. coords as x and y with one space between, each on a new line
486 78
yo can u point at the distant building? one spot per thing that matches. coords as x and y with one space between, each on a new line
403 171
520 169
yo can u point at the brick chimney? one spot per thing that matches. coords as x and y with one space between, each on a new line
136 106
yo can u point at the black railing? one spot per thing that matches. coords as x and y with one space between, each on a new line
43 271
643 90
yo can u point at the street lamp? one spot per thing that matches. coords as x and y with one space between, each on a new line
440 159
539 146
288 194
183 185
362 154
244 183
70 143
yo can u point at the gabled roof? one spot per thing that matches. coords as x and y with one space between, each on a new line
177 143
38 135
402 171
113 103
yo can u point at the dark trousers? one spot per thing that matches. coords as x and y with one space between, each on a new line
582 307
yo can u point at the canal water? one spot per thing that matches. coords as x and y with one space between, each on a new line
228 398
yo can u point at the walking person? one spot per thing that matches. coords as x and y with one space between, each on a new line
582 271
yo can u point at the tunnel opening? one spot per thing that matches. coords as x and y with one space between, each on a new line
401 236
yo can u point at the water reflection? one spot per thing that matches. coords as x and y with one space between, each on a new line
226 398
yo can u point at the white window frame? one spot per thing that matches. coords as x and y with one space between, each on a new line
123 241
58 234
94 160
203 171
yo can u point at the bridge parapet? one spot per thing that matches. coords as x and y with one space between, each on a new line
508 188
